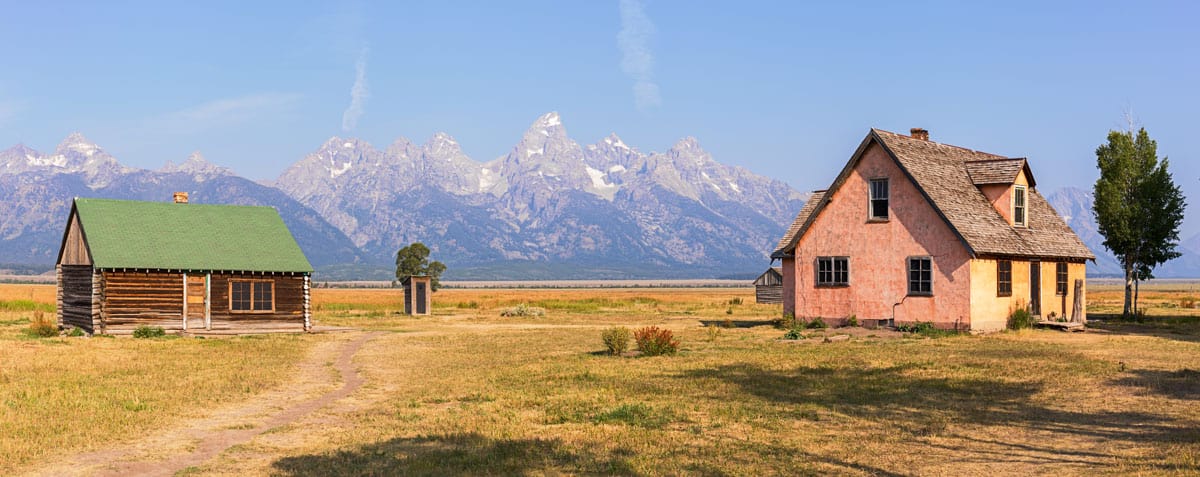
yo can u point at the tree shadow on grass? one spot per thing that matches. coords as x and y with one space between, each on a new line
1171 327
925 406
1181 384
456 454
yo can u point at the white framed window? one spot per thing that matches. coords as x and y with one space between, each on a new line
879 199
1019 208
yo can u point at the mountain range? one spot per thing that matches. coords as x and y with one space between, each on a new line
550 208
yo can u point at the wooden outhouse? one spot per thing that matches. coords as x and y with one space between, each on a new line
183 267
768 287
417 294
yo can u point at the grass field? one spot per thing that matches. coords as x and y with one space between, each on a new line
467 392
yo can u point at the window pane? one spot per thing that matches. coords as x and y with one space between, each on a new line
879 198
239 296
262 296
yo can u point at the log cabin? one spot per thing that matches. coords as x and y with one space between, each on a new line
913 230
188 268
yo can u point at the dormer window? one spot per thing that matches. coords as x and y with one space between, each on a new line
1019 206
879 199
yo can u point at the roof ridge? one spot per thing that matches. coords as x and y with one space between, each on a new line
976 151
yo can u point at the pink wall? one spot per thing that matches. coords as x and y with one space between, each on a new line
878 254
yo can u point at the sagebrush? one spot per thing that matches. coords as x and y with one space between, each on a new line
616 340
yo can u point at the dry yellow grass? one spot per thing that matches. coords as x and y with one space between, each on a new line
467 392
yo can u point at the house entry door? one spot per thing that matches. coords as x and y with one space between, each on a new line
194 294
1035 288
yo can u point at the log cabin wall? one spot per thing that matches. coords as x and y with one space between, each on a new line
132 299
75 302
291 298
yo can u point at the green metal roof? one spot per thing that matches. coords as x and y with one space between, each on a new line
199 237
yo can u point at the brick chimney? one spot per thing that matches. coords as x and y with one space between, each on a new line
181 197
918 133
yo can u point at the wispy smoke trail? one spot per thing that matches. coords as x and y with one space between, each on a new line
637 60
358 93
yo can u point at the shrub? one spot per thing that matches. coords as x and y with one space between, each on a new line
147 331
794 334
728 323
735 301
713 332
523 310
76 332
1020 319
786 323
654 341
42 326
852 320
816 323
729 311
915 327
616 339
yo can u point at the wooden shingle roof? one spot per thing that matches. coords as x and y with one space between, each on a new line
941 173
166 236
791 236
998 171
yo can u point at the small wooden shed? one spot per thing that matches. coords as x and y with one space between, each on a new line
418 291
183 267
768 287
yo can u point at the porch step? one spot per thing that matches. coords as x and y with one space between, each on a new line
1062 325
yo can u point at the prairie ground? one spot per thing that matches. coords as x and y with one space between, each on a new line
466 391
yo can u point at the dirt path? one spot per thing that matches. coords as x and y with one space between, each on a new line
196 442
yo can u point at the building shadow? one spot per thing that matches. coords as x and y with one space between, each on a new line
456 454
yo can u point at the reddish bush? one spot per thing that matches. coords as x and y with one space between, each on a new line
653 341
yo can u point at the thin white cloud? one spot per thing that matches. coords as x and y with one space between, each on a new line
224 112
637 61
358 93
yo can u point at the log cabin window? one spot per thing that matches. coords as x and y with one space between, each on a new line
1060 279
833 271
1019 206
879 199
920 275
252 296
1004 278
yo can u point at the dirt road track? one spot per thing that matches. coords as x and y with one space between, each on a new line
199 441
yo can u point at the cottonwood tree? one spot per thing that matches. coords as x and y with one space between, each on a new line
414 260
1138 207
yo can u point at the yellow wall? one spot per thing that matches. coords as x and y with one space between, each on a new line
990 312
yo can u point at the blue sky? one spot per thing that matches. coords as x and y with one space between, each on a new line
785 89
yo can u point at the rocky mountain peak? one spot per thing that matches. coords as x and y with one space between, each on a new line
78 144
197 166
442 145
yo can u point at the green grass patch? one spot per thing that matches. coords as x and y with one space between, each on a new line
636 414
26 305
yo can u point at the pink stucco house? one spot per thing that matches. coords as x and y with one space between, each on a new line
914 230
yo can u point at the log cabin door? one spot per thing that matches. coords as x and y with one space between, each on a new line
195 291
1035 288
421 303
